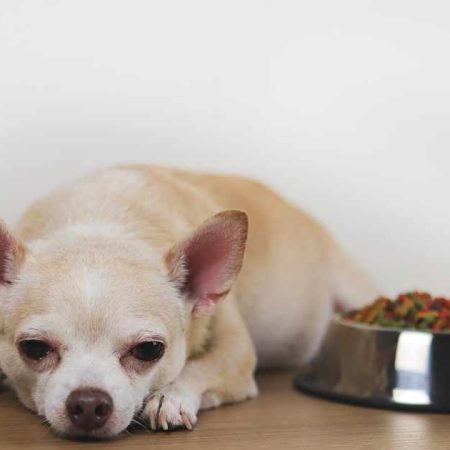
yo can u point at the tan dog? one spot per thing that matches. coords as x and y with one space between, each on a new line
112 296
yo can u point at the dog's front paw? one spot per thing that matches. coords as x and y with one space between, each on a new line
172 408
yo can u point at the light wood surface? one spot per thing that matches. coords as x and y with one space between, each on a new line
280 418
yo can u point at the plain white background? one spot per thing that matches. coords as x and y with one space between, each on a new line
343 106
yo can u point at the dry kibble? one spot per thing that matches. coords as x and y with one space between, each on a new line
411 310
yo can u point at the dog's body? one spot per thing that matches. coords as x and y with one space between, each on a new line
134 248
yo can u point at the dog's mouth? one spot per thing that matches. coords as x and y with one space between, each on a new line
90 436
102 434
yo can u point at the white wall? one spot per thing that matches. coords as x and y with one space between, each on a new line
344 106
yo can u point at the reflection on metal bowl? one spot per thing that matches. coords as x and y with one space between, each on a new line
382 367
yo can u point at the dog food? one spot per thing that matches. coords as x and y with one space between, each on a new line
411 310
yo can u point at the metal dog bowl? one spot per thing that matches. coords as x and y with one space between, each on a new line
381 367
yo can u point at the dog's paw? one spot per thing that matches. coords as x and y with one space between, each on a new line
172 408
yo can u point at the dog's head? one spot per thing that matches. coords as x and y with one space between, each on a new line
91 325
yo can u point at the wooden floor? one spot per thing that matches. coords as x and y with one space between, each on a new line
280 418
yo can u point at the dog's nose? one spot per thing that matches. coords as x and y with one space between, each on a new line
89 409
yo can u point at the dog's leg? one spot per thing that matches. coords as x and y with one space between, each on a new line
222 374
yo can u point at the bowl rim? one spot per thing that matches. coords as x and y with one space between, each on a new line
339 320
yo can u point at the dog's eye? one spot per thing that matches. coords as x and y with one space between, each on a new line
35 349
148 351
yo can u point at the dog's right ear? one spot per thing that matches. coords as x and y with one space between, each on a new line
12 253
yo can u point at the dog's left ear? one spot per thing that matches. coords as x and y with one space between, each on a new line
12 253
205 264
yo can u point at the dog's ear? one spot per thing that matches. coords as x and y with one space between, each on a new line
12 253
205 264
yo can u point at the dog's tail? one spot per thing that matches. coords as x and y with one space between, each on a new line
353 288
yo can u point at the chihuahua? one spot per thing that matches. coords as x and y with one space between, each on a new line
120 297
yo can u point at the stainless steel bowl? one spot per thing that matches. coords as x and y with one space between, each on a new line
382 367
